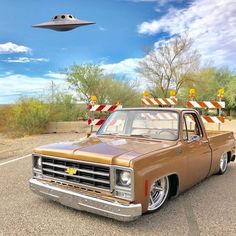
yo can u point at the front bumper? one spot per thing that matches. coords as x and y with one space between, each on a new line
83 202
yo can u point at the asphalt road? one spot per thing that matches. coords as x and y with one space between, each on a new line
206 209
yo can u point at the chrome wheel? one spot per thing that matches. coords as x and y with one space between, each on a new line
223 163
158 194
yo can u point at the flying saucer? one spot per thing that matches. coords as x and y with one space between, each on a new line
63 22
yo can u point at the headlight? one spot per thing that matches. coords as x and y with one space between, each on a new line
37 162
124 178
124 183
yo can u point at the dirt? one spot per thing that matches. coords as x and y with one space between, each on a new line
22 146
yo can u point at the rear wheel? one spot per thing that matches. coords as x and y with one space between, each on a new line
223 163
158 194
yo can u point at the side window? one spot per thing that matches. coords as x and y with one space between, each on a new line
191 127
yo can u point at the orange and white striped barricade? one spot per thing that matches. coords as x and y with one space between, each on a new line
206 104
211 105
92 108
213 119
96 122
104 108
160 116
160 101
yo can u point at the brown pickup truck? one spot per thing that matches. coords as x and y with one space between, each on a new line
137 160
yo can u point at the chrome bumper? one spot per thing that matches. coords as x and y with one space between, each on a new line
82 202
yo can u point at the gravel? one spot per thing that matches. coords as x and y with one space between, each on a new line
22 146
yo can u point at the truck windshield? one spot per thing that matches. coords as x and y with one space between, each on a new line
154 124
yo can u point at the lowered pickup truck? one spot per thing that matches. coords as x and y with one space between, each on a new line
137 160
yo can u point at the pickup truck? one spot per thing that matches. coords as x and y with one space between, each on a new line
139 158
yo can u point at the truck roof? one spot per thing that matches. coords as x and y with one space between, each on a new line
159 108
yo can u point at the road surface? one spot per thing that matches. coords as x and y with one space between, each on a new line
206 209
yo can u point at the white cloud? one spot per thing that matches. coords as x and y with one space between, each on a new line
25 60
101 28
142 0
158 2
13 86
9 47
55 75
212 25
127 67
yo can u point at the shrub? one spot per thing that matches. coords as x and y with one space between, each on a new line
28 116
63 108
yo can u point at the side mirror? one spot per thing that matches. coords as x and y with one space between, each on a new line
194 138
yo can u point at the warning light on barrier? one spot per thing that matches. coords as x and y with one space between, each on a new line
118 103
221 93
146 93
172 93
93 98
192 93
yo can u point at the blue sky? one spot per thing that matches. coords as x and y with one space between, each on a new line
30 58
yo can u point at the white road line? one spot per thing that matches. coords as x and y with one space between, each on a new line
16 159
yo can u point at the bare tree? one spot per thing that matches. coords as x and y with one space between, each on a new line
170 65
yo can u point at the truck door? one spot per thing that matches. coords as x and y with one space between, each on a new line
196 148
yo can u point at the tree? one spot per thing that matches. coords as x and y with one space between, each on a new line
64 108
230 94
170 65
207 81
90 79
87 80
205 84
122 90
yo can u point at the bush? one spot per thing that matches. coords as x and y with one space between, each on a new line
5 113
64 108
28 116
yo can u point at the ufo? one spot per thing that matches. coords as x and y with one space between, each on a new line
64 22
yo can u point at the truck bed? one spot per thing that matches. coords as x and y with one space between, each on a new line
219 141
215 133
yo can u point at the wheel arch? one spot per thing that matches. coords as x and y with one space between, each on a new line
229 156
174 184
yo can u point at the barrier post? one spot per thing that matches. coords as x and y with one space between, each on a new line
173 96
192 95
220 95
91 113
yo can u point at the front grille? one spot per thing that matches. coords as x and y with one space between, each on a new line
87 174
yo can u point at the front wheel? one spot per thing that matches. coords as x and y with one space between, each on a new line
223 163
158 194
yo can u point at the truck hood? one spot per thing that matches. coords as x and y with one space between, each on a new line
105 150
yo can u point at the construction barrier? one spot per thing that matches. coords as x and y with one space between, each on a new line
169 102
97 113
96 122
103 108
160 116
100 108
213 119
205 104
160 101
210 105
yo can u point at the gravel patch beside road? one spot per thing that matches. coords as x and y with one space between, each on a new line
22 146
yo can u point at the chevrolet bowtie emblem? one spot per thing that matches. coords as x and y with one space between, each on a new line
71 171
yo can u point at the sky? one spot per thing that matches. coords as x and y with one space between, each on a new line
30 58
